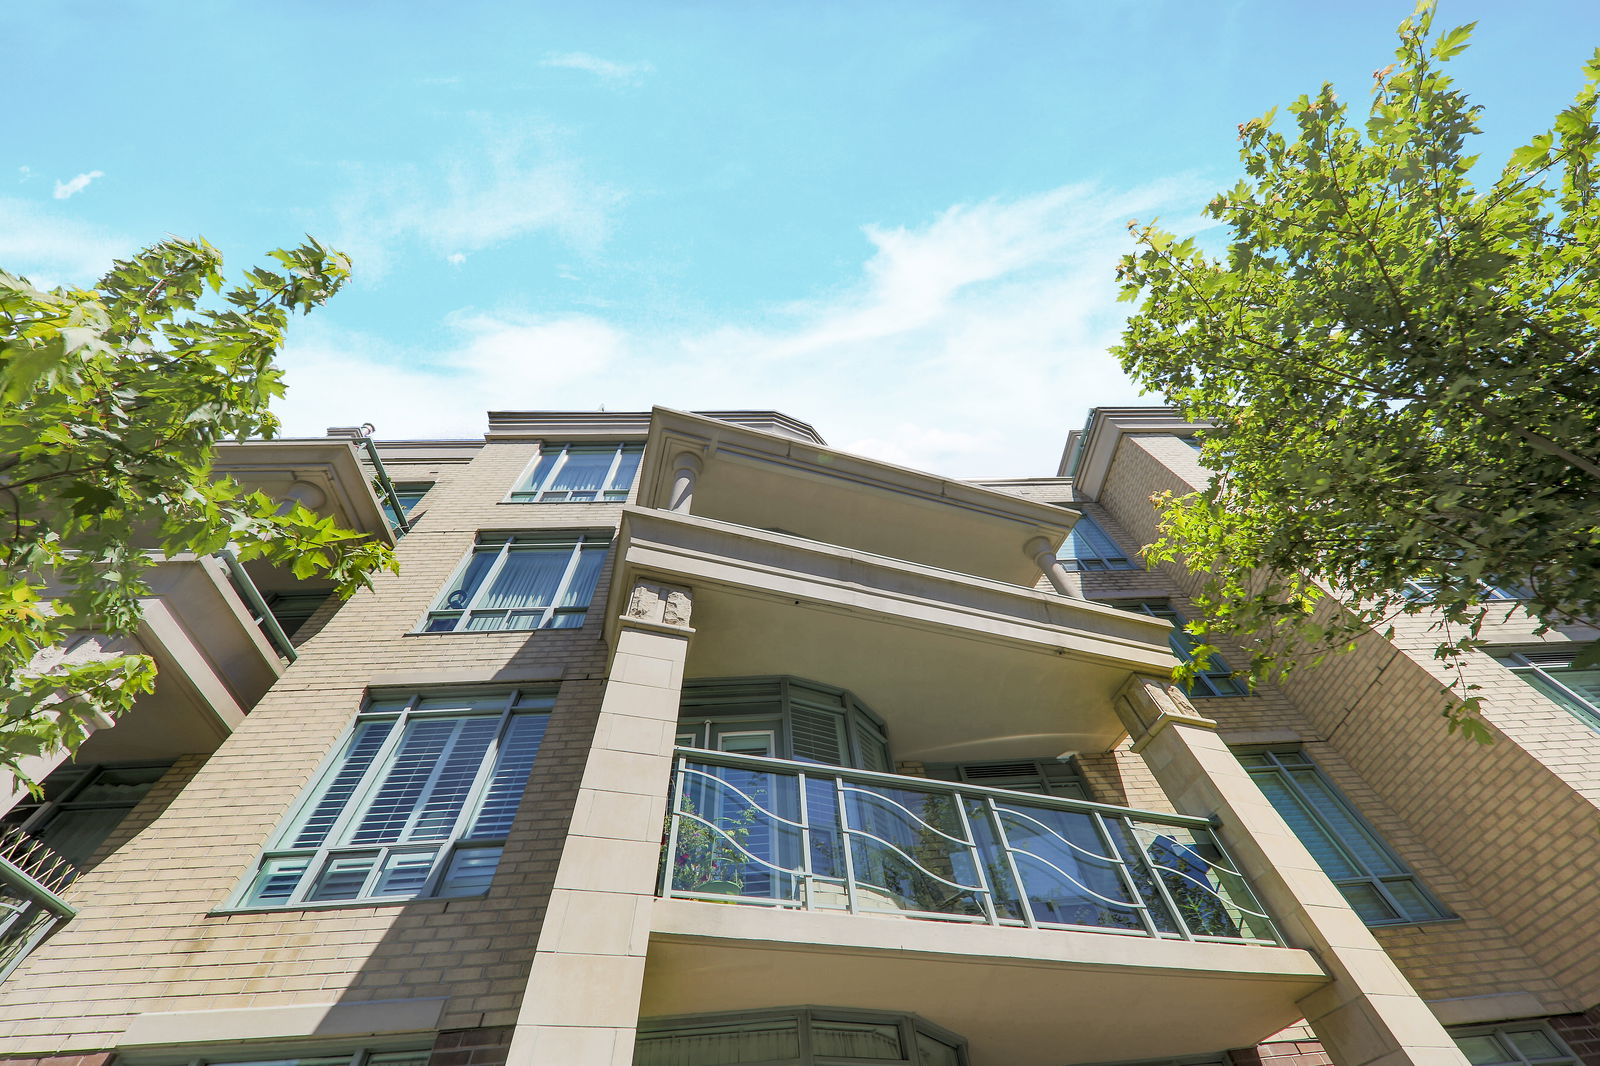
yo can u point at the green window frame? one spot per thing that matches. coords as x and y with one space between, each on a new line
1216 679
409 494
1550 670
1047 777
518 581
417 802
797 1036
1090 548
1531 1043
1372 878
809 721
364 1057
580 473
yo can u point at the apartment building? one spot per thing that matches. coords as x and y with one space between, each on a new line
685 739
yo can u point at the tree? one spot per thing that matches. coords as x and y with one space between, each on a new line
1401 367
110 403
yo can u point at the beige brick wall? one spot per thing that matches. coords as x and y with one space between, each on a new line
1497 832
146 939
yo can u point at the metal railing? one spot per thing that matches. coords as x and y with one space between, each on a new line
31 875
772 832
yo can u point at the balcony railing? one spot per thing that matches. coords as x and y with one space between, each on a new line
31 875
771 832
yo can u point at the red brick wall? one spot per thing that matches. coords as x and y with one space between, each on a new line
1582 1034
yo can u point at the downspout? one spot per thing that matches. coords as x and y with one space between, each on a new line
252 596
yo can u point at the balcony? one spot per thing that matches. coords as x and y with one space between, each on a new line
31 875
770 832
1033 925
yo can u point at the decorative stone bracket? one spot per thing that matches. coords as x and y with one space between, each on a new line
1147 705
655 604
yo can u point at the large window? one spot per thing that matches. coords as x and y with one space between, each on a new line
82 805
782 717
580 473
1373 880
1088 548
1049 777
522 581
1216 679
417 802
797 1037
1516 1044
1550 670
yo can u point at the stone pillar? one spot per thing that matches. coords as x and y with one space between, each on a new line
1369 1013
686 468
1038 549
581 1005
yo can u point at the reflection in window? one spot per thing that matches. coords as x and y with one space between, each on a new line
1216 679
1551 671
1517 1044
580 473
1089 548
1376 884
522 581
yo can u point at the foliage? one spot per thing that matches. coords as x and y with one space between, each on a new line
110 403
708 851
1401 368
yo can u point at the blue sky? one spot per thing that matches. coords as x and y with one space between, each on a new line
897 221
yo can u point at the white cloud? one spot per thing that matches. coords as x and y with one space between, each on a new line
966 346
77 184
52 250
23 174
503 185
604 69
455 259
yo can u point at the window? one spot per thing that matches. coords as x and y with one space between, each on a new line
294 609
409 493
522 581
1551 671
784 717
417 802
580 473
1424 590
1049 777
1518 1044
797 1037
1217 679
418 1057
1375 883
1089 548
82 805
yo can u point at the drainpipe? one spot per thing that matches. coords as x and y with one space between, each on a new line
364 437
252 596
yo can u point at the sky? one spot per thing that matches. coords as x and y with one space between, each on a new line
898 221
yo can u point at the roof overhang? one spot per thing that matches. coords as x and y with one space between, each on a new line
322 473
625 425
774 482
958 667
1090 450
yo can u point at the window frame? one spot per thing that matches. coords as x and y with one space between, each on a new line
41 813
524 701
503 543
523 490
1274 753
1500 1031
1217 679
1102 563
1549 685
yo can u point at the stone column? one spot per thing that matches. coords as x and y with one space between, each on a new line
581 1005
1038 549
686 468
1369 1013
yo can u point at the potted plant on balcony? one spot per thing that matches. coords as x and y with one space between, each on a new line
708 860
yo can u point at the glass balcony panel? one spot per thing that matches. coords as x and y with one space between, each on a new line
750 829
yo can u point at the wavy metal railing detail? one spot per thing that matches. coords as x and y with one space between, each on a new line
31 876
771 832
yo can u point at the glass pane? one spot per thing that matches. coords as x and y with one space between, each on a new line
1412 902
1343 824
580 590
1312 833
1534 1044
934 1052
856 1040
529 578
364 745
403 782
627 467
721 1045
584 470
452 780
540 471
125 787
399 1058
514 762
461 592
342 877
1366 901
471 871
77 834
404 873
277 880
1482 1050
